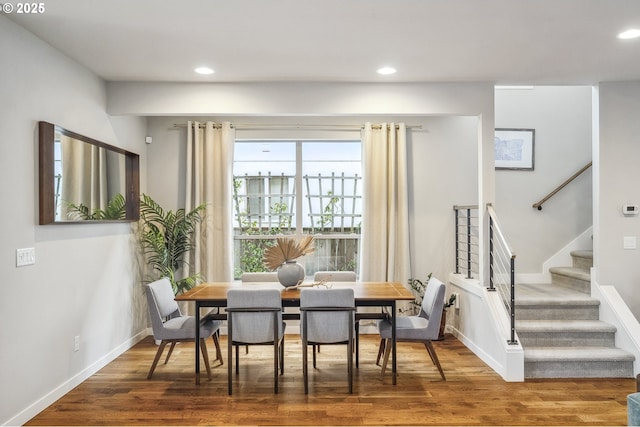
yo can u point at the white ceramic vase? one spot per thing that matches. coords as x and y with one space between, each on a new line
290 273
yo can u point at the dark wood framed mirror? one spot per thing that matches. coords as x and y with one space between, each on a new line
82 179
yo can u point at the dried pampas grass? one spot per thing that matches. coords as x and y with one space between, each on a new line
287 249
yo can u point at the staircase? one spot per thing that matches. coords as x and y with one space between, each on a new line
559 328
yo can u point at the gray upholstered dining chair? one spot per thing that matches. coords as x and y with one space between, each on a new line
254 317
171 326
327 317
257 278
423 328
341 276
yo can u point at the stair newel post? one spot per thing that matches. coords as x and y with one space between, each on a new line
512 313
468 243
491 287
456 239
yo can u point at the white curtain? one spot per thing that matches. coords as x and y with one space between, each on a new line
84 176
385 214
210 181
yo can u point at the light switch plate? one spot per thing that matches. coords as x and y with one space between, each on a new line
630 242
25 256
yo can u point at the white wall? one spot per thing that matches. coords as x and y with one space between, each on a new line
442 172
561 117
339 103
84 281
616 182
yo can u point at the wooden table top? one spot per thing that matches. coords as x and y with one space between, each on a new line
363 291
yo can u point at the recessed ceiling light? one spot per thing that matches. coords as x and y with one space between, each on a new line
386 70
633 33
203 70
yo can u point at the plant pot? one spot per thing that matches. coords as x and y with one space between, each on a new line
290 273
443 323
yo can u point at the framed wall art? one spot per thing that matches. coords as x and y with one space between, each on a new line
514 149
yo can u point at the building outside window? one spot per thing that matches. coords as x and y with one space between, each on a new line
268 177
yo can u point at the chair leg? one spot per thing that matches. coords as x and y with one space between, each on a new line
314 356
282 357
229 364
380 351
205 356
387 352
173 344
350 365
434 358
305 368
357 331
276 364
216 342
155 360
237 360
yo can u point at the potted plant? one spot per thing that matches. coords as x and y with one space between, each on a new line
166 236
418 287
282 256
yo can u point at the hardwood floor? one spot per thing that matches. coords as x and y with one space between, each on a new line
473 394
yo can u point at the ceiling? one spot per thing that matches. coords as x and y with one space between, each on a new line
502 41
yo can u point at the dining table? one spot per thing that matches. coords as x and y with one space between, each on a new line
366 294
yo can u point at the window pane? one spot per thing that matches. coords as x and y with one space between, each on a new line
332 187
265 184
264 187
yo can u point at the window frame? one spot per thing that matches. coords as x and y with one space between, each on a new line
299 197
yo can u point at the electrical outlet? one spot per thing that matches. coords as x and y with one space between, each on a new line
25 256
76 343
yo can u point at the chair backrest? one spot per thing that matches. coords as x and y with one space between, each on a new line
331 326
254 327
433 306
260 277
162 303
335 276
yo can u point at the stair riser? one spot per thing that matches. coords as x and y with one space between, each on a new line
557 312
571 283
581 369
584 263
566 339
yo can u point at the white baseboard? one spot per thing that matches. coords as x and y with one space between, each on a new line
64 388
614 310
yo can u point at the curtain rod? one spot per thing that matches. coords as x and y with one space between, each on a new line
243 126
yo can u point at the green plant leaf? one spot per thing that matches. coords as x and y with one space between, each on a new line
167 237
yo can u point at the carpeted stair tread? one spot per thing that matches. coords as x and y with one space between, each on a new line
557 301
582 254
544 291
572 272
577 354
564 326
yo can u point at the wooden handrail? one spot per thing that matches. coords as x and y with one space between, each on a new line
538 205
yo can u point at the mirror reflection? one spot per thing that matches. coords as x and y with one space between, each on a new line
83 179
89 180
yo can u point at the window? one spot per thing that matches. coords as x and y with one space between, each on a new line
268 176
